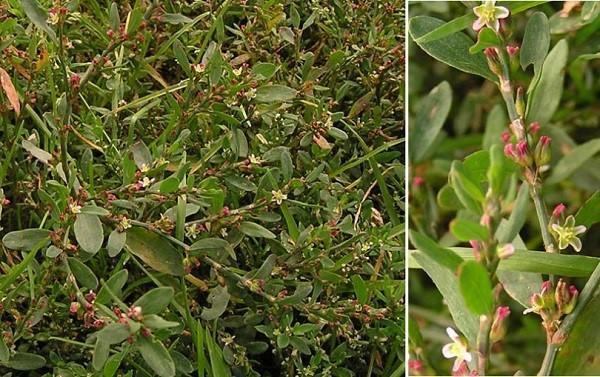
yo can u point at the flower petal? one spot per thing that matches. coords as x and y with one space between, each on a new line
468 357
576 243
569 222
562 243
457 364
447 351
452 334
478 10
495 25
501 12
478 24
579 229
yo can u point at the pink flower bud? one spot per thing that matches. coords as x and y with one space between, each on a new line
512 50
542 151
522 149
90 296
498 330
4 202
558 210
534 127
506 251
415 366
75 80
505 137
520 102
418 181
574 293
74 307
510 152
493 60
476 249
546 287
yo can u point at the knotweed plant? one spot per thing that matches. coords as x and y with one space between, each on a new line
201 188
524 160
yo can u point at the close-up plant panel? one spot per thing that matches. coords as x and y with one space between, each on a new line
208 188
504 202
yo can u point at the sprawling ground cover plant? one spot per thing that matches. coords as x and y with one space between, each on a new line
201 188
504 161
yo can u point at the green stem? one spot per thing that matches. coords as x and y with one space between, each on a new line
548 362
483 344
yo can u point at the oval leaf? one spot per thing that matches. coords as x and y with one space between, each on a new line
88 232
154 250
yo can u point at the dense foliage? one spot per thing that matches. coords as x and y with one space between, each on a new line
201 188
504 195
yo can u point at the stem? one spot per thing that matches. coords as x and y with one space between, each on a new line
542 215
548 362
483 343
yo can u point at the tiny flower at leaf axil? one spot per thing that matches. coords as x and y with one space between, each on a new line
457 349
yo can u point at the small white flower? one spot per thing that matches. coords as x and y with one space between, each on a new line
489 15
278 196
144 168
146 182
237 71
567 233
255 160
250 93
458 349
75 208
125 223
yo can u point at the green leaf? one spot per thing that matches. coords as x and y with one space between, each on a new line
217 365
84 275
36 152
114 333
88 232
182 58
302 291
452 49
264 71
100 354
9 277
266 267
156 356
275 93
26 361
38 16
485 38
476 288
360 105
444 257
494 126
447 283
116 242
154 321
287 165
91 209
466 230
574 160
113 364
169 185
282 341
218 298
141 155
155 301
360 289
24 239
113 16
537 261
589 213
255 230
536 41
465 188
507 231
53 251
212 244
4 351
429 120
545 96
448 28
115 283
154 250
337 133
497 173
